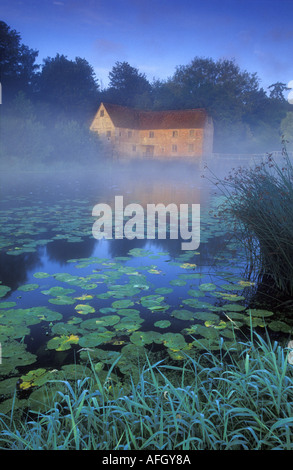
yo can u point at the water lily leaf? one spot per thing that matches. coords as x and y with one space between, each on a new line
108 320
93 339
35 378
28 287
188 266
7 304
260 313
278 325
107 310
84 297
219 326
41 275
162 324
164 290
207 287
62 300
174 341
58 291
62 343
84 309
4 290
122 304
140 338
177 282
233 308
183 314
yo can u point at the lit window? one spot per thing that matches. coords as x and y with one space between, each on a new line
175 134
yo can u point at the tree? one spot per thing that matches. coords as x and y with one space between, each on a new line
128 87
277 90
70 87
17 63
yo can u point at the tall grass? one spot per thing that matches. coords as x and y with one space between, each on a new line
214 402
260 201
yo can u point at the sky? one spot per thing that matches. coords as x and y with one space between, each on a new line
156 36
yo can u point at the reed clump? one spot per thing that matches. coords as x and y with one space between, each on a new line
259 201
241 400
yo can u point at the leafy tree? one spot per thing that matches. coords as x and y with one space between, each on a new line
277 90
17 63
128 87
70 87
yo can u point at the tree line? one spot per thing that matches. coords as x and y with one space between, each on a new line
47 109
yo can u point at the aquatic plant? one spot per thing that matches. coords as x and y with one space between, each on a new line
259 205
225 401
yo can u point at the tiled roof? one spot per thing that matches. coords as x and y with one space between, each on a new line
131 118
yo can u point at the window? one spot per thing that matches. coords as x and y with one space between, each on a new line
191 133
190 148
174 148
175 134
129 134
108 133
102 113
134 148
151 134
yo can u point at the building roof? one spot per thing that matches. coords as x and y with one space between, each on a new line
131 118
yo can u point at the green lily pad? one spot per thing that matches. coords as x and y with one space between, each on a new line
177 282
140 338
7 304
164 290
108 320
122 304
93 339
28 287
162 324
62 343
4 290
84 309
41 275
259 313
183 314
207 287
174 341
62 300
58 291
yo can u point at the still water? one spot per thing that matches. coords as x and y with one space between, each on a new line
64 294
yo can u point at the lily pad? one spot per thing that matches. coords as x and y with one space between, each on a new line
28 287
183 314
122 304
62 343
4 290
84 309
41 275
162 324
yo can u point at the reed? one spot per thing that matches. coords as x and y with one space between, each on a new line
259 201
213 402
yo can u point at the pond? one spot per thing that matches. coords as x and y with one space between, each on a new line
65 294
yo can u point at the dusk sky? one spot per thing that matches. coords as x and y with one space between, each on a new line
155 36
